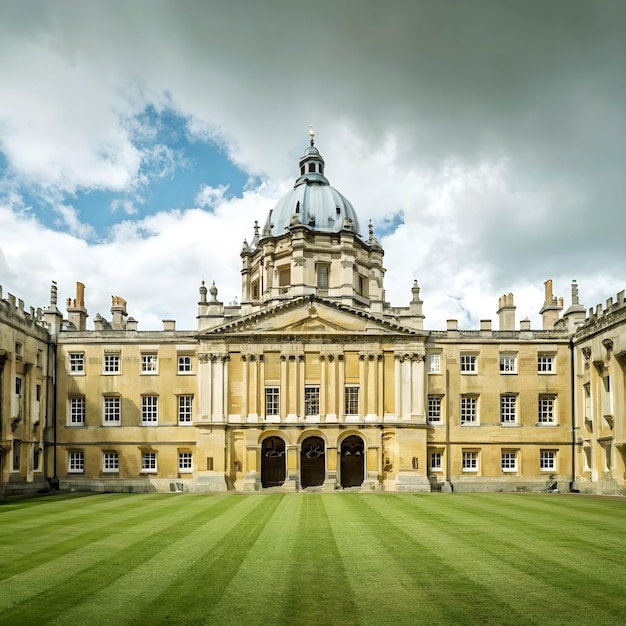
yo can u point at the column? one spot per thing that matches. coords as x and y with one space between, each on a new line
225 360
323 390
262 386
380 385
217 408
284 391
253 409
417 383
341 388
331 384
244 388
362 386
406 387
372 388
397 401
292 389
205 387
300 385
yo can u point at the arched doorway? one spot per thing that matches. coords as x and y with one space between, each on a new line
272 462
352 461
312 462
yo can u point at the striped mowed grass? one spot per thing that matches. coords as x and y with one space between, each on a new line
313 558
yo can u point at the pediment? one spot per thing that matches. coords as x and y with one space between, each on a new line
303 317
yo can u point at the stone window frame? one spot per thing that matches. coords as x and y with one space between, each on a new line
185 409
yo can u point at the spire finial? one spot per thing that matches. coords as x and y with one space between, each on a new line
312 134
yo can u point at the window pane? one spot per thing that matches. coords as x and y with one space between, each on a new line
185 409
312 400
272 404
352 401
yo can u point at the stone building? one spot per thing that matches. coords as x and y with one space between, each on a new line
599 374
25 385
315 381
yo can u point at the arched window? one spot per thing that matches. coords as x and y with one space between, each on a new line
311 167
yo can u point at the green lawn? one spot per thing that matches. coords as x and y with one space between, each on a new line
313 559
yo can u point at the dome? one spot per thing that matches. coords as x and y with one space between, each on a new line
312 202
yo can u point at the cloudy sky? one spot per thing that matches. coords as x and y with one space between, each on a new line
141 139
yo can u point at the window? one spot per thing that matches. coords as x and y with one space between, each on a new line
184 364
434 409
361 285
185 409
546 410
508 364
470 461
77 362
508 406
284 276
148 462
111 363
149 410
149 363
435 461
18 351
112 411
322 276
77 411
38 393
547 460
17 454
76 463
311 400
184 462
545 364
272 400
468 410
468 363
509 461
352 401
110 462
255 290
18 386
434 363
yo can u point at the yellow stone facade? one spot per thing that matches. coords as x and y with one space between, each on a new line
313 382
25 386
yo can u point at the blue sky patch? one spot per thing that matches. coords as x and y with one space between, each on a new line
174 167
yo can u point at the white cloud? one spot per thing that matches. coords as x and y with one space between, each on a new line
497 140
126 205
208 197
69 217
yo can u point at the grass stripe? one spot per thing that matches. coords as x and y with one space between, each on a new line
313 558
96 563
533 575
320 589
215 557
57 538
382 576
